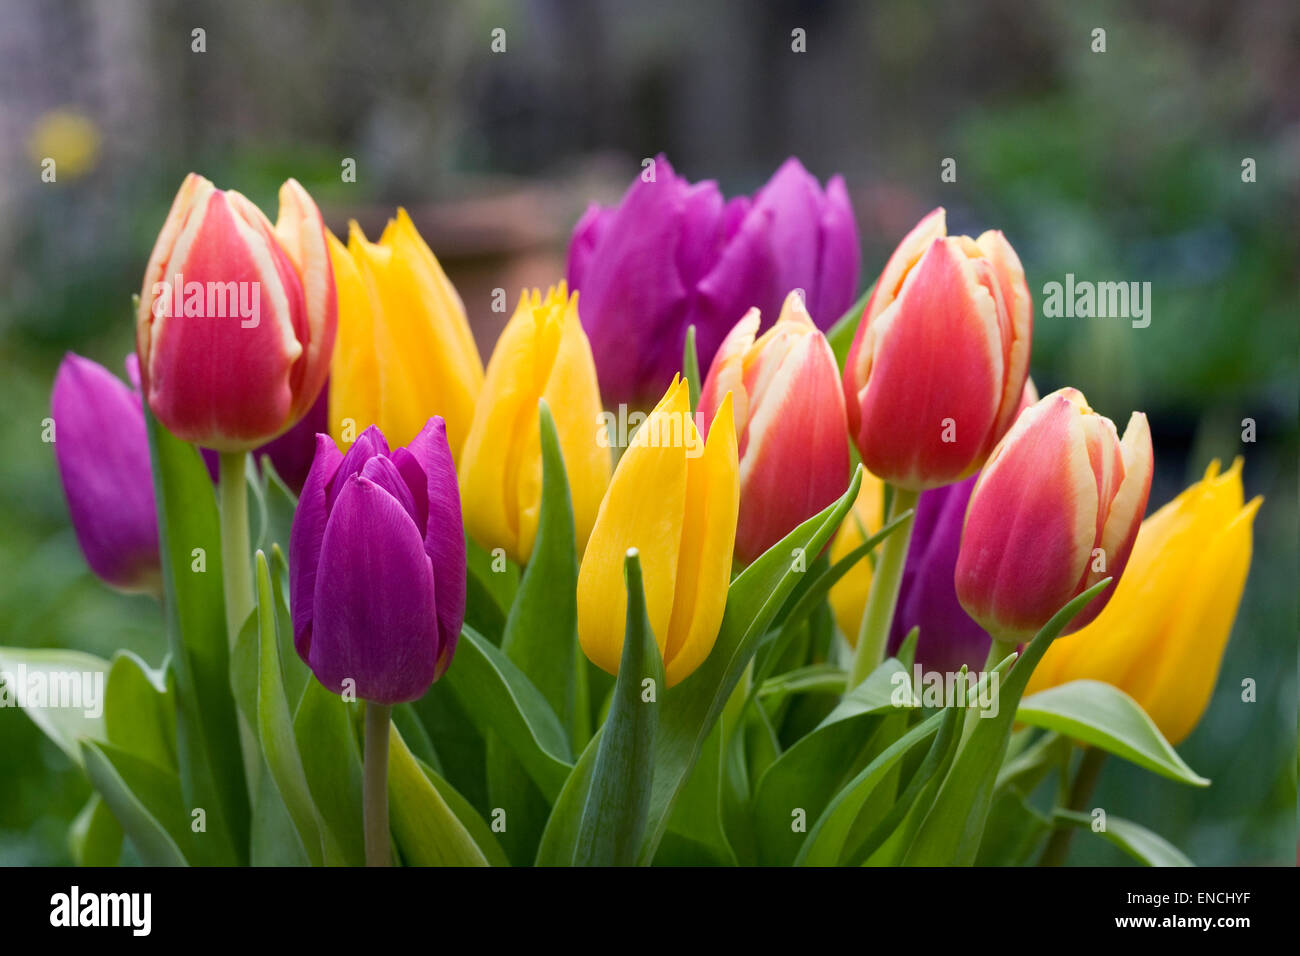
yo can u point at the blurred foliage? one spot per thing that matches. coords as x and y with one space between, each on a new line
1115 166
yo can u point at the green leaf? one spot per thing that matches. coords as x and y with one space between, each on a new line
331 760
560 837
846 326
140 710
814 595
614 813
809 773
275 725
491 583
35 678
498 696
280 504
427 831
275 840
478 829
691 708
189 541
95 837
691 367
826 840
953 828
1104 716
541 638
145 799
1133 838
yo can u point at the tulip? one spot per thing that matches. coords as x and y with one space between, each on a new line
102 453
542 353
237 317
1055 510
1161 638
673 254
405 349
676 502
291 454
789 410
377 565
934 375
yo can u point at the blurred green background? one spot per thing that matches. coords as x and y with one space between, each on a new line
1122 165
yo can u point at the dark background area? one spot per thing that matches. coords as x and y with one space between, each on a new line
1117 166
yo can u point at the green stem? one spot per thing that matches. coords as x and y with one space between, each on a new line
873 634
999 650
375 785
237 581
1085 781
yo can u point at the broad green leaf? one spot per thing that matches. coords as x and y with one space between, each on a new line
1013 830
953 828
280 504
427 831
61 691
614 813
826 840
145 799
294 669
697 816
914 800
189 541
140 711
1133 838
541 638
331 760
275 840
275 725
814 593
841 333
95 836
691 708
499 697
560 838
807 775
491 583
1104 716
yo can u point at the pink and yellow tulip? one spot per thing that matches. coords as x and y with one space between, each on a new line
237 317
934 376
789 412
1055 510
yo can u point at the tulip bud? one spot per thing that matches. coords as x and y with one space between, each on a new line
1162 636
789 410
673 254
1055 510
674 497
237 317
542 353
936 369
377 565
405 348
102 452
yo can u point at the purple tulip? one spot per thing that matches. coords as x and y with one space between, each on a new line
673 254
377 565
927 597
292 452
102 452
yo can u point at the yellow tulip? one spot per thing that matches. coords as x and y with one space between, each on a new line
1161 637
675 498
848 595
404 350
542 353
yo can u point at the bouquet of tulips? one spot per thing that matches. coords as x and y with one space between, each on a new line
829 585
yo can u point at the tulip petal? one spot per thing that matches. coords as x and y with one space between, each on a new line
708 535
102 452
305 537
444 537
934 376
375 620
301 232
642 509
